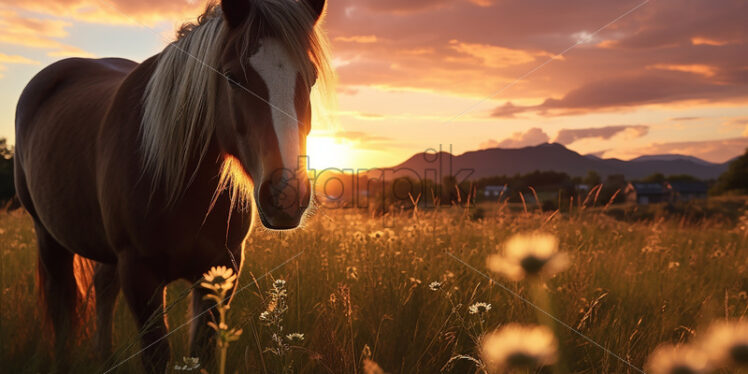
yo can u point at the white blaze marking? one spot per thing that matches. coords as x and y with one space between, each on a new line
276 68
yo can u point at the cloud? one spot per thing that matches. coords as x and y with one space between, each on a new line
15 59
655 55
685 118
700 69
695 50
569 136
361 137
507 110
636 90
40 33
530 138
364 39
492 56
738 122
115 11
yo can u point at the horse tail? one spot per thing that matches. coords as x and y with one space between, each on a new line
85 306
82 307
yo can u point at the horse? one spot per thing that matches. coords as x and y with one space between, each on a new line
154 171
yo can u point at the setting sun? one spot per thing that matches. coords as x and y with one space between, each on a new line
327 151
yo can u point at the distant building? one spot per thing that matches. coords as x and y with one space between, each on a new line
646 193
687 191
495 191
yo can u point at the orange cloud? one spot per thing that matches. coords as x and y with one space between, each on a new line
705 70
116 11
474 48
37 33
520 139
569 136
357 39
495 56
15 59
697 40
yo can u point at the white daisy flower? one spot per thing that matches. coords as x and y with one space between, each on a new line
435 286
517 346
479 308
727 344
677 359
529 255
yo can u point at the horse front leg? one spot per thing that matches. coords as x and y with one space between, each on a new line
203 311
144 291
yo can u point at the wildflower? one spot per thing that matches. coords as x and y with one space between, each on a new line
479 308
265 316
188 364
220 326
295 337
376 235
219 279
371 367
366 351
279 284
677 359
727 344
435 286
351 272
673 265
529 256
516 346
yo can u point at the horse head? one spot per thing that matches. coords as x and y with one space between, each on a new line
263 104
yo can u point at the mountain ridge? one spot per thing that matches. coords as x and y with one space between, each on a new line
552 157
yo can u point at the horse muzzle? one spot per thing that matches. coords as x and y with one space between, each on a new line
281 205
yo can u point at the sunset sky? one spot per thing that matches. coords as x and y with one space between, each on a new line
670 76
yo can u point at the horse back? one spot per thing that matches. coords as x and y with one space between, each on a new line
58 119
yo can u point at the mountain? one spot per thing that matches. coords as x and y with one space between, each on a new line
672 158
548 157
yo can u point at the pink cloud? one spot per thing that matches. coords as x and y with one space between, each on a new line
520 139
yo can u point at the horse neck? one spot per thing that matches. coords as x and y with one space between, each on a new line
202 175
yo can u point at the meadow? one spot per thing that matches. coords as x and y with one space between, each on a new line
359 288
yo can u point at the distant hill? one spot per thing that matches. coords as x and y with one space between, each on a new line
673 158
551 157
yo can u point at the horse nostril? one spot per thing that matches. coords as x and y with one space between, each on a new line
266 195
285 196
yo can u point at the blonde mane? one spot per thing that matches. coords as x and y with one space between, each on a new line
179 106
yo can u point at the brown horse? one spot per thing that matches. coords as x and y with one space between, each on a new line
150 169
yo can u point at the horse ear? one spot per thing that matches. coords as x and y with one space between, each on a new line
235 11
317 7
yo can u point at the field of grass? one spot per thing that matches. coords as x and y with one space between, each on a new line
358 288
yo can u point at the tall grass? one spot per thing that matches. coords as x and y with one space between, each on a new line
360 291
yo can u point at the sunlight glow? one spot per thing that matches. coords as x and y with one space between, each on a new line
328 151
